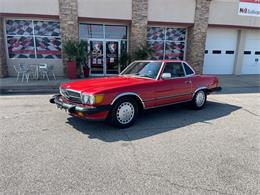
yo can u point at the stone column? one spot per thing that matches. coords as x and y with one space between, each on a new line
197 35
69 25
138 28
3 63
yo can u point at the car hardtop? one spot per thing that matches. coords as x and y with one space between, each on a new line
166 61
160 61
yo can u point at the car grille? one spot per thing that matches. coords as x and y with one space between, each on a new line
73 96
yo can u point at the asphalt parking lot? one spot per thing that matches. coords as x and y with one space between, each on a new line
172 150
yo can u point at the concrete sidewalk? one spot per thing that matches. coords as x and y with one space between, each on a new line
239 84
10 85
229 83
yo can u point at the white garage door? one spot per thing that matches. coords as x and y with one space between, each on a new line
251 58
220 51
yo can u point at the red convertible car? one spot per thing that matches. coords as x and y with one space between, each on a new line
142 85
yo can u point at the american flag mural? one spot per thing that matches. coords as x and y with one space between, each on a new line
174 50
33 39
48 47
158 47
19 27
155 34
168 43
46 28
175 34
20 47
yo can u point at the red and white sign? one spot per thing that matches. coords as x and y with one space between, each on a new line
249 8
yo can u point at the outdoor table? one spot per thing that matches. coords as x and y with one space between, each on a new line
36 70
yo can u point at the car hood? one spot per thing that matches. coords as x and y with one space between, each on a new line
97 85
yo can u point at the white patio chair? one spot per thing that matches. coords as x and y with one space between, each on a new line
24 70
50 69
45 69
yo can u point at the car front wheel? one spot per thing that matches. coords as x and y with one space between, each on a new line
199 99
124 113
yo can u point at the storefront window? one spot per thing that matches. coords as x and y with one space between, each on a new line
33 39
115 32
168 43
91 31
107 44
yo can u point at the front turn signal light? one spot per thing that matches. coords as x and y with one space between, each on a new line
99 99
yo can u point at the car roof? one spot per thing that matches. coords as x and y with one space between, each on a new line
159 61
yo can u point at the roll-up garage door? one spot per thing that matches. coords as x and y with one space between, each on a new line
220 51
251 58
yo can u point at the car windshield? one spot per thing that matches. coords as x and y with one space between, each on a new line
143 69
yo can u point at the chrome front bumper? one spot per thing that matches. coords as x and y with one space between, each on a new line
56 99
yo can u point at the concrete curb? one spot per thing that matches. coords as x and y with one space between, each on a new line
28 89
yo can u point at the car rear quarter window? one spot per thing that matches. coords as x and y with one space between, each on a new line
188 70
175 69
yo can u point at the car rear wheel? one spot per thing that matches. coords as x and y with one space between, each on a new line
199 99
124 112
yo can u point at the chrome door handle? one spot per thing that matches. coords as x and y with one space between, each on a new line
188 82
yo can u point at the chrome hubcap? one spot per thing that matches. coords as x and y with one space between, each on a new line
200 98
125 112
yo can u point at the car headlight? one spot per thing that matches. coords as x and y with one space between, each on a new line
91 99
61 91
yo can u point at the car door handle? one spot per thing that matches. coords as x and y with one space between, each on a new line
188 82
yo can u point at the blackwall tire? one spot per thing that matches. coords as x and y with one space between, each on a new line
199 100
124 113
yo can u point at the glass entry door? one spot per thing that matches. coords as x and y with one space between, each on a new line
104 59
112 57
96 57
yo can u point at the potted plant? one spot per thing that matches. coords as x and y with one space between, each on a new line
124 60
77 55
82 58
69 51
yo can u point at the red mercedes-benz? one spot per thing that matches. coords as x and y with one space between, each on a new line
142 85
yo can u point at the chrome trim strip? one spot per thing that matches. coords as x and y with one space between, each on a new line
72 90
200 88
128 93
137 77
167 104
165 97
160 71
78 108
127 68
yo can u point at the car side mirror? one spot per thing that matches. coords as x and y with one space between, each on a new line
166 75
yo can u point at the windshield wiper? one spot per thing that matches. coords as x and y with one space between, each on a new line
143 75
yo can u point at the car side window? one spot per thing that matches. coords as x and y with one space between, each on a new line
188 70
175 69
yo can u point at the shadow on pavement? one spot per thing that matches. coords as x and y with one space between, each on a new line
239 90
153 122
